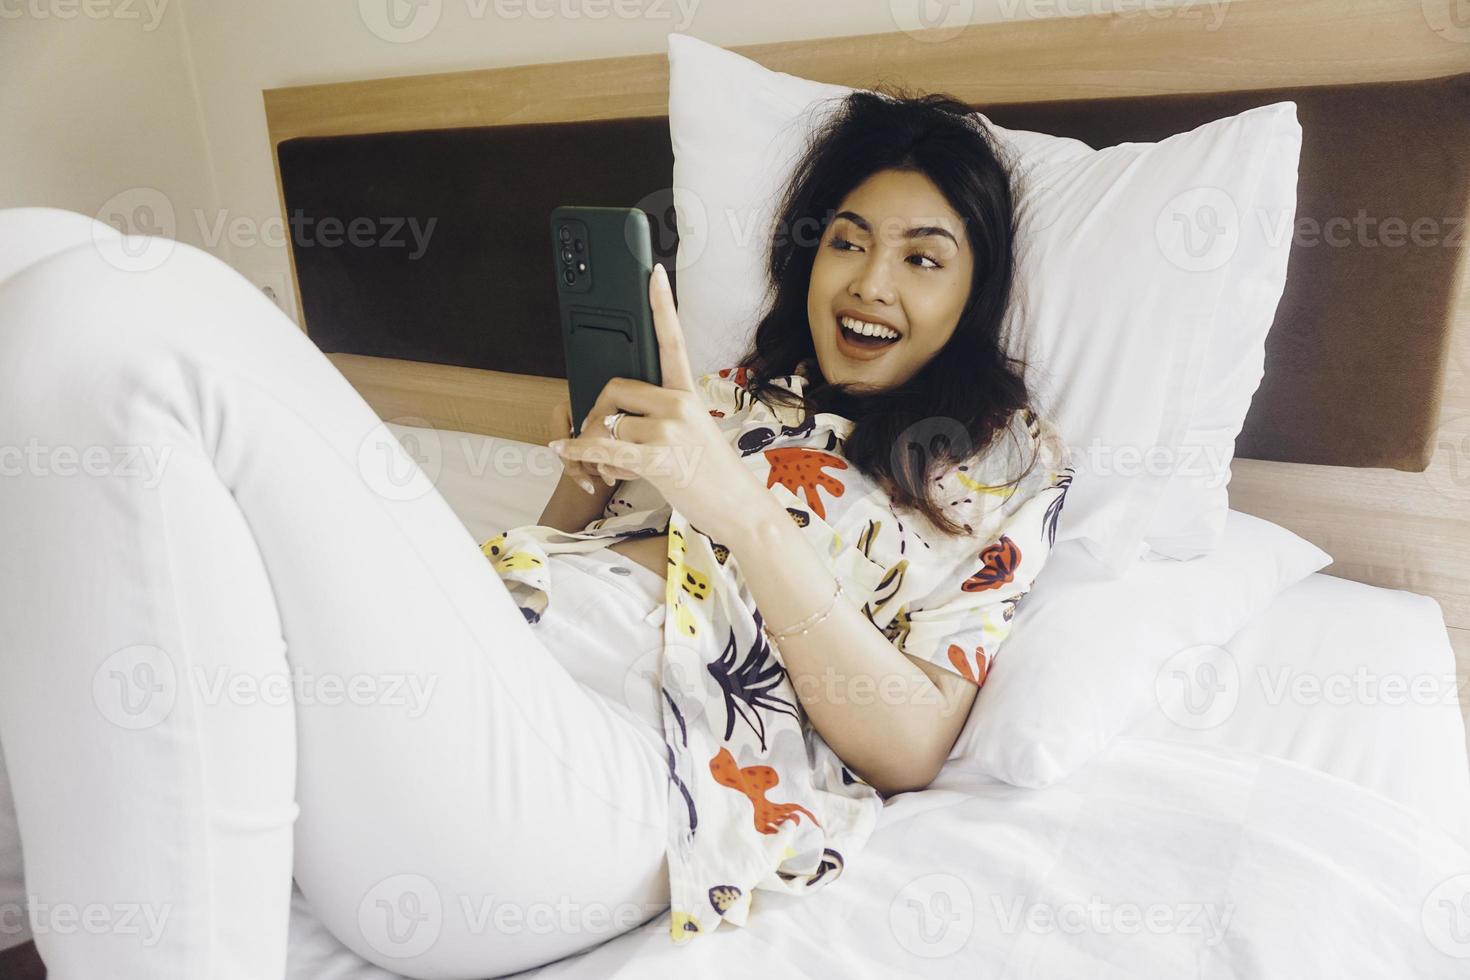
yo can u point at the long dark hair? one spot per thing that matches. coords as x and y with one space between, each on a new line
952 409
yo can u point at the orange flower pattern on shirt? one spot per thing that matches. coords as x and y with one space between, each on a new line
801 469
997 566
754 781
975 674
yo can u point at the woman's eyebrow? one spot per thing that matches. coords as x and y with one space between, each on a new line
918 231
927 231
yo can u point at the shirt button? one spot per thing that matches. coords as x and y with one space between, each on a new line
619 570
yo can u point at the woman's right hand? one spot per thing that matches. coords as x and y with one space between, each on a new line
583 473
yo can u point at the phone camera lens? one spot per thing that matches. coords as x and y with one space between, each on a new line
566 233
566 254
577 245
569 277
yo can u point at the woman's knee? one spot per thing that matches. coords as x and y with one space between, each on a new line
88 310
29 235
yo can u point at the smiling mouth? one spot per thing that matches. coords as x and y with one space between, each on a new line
857 344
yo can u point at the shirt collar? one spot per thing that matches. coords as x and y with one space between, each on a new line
797 382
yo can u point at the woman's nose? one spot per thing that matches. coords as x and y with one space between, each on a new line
872 284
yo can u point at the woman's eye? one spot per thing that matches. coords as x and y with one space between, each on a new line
842 244
933 262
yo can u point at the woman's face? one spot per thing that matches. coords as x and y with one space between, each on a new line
894 261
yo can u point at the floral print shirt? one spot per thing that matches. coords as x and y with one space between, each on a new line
758 799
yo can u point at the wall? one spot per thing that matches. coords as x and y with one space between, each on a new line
98 113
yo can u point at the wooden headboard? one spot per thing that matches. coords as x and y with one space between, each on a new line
1408 530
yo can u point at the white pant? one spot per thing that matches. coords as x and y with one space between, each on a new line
230 649
605 625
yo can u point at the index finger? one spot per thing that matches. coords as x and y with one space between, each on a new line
672 355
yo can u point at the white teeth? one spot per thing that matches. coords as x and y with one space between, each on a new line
869 329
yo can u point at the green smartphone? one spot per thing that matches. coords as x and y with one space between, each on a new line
604 258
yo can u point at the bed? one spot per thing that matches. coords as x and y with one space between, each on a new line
1313 832
1310 833
1203 832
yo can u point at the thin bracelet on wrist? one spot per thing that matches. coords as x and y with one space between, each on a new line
806 624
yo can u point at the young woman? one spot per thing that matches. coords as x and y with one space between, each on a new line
678 688
876 438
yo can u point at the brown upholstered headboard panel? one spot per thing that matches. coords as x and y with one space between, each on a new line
1355 360
473 286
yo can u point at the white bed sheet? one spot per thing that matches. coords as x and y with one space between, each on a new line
1352 679
491 484
1159 859
1333 836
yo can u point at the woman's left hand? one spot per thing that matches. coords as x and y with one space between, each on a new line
668 438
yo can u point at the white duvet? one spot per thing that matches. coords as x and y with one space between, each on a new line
1302 838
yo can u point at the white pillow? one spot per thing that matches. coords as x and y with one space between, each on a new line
1190 517
1111 309
1086 648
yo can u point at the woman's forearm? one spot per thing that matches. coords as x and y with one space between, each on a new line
876 709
